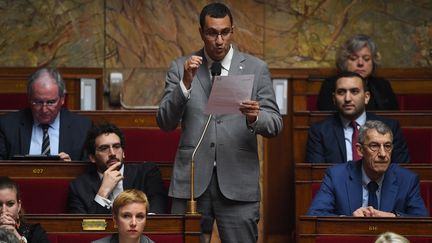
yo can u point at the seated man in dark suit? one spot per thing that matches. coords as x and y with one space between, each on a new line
330 141
372 186
94 191
45 128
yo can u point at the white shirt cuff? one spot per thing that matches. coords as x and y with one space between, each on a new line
186 92
103 201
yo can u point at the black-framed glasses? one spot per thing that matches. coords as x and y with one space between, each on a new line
106 147
376 146
213 34
41 103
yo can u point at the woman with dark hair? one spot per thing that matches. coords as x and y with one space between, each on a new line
11 214
359 54
129 214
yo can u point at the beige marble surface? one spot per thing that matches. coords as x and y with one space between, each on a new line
141 38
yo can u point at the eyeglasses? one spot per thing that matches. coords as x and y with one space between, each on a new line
213 34
106 148
48 103
377 146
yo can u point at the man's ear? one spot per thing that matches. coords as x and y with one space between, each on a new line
367 97
359 149
92 158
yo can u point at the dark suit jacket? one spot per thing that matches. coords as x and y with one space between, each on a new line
34 233
228 140
341 192
382 95
326 141
16 131
144 176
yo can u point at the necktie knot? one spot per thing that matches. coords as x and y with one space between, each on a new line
45 127
372 186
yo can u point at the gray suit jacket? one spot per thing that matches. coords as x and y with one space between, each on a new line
228 140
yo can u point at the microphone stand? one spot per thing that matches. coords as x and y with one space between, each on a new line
192 204
216 69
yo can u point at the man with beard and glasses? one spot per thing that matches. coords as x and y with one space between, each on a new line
94 191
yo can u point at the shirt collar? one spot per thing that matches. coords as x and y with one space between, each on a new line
226 62
361 120
54 125
366 179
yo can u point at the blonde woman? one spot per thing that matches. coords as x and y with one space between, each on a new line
129 214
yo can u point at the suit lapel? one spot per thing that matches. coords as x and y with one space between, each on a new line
26 131
129 175
354 186
64 128
203 74
340 137
388 196
237 65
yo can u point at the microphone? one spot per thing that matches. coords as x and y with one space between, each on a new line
215 69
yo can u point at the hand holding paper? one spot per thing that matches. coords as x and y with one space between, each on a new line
228 92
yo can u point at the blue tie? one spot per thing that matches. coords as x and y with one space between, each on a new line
373 200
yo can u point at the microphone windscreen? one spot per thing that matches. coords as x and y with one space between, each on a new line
216 69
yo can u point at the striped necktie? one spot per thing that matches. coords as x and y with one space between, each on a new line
45 140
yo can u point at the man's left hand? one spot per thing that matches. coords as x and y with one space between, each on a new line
250 108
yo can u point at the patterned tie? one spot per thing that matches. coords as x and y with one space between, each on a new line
45 140
373 200
354 140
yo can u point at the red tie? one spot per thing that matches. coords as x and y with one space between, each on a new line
354 140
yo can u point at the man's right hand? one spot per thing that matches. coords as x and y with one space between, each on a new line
191 66
111 177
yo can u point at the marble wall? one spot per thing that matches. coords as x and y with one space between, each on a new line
140 38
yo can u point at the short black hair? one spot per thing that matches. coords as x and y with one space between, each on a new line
349 74
214 10
97 130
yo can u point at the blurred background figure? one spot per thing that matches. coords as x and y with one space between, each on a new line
390 237
360 54
129 214
11 214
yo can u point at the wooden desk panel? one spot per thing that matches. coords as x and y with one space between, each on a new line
187 225
312 227
17 169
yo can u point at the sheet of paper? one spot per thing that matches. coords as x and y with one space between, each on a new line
228 92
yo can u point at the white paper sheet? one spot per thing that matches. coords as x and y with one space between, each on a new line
228 92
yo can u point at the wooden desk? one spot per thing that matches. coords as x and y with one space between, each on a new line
312 227
23 169
187 225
